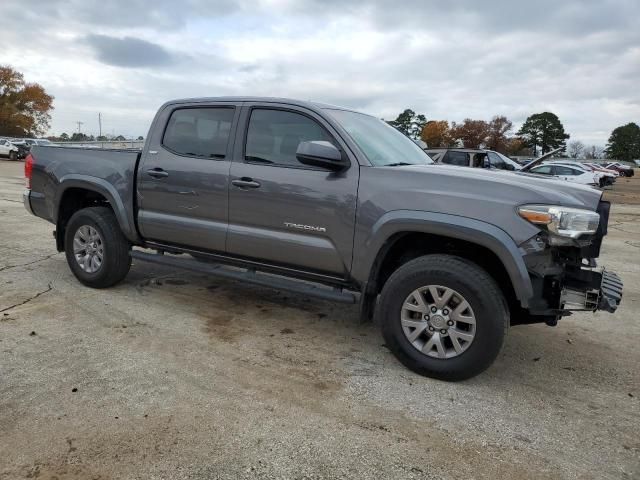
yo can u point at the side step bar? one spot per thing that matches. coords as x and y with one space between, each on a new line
249 276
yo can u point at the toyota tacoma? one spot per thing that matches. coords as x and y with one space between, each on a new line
335 204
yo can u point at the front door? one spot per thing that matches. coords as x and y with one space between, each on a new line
284 212
183 178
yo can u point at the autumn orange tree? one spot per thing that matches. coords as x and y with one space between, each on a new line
24 107
437 133
497 130
472 133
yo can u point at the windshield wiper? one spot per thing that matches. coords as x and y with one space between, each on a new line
398 164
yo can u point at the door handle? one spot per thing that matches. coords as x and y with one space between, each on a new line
245 182
157 173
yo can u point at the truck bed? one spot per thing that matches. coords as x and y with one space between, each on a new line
57 170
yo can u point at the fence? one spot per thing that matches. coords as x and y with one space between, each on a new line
109 144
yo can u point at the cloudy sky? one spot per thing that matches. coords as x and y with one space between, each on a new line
447 59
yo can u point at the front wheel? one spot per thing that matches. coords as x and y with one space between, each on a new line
97 252
443 317
13 155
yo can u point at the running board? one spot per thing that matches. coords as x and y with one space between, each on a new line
249 276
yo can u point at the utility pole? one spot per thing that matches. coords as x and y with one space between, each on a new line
80 126
100 128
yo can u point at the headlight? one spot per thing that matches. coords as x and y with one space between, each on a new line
562 221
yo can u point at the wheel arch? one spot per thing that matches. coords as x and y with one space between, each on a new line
400 236
79 191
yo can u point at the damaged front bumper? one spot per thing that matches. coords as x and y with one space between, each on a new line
589 290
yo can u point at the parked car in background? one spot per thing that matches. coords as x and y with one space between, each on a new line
8 149
637 162
42 142
570 174
23 148
599 168
472 157
604 178
623 170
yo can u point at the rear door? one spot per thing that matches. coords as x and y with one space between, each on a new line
281 211
183 176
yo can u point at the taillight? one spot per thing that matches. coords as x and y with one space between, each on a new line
28 170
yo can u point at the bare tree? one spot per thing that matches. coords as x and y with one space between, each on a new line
593 152
575 149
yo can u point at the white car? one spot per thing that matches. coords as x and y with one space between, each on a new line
568 173
604 178
8 149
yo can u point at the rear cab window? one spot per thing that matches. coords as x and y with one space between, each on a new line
199 132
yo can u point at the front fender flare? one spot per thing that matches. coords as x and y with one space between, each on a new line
453 226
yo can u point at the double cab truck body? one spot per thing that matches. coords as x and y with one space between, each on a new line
337 204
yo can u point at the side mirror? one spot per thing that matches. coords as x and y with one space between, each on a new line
320 153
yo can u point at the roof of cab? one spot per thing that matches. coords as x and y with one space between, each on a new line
289 101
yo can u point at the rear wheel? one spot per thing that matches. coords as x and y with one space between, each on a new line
13 155
443 316
97 252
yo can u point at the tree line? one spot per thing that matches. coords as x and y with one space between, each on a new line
25 111
539 134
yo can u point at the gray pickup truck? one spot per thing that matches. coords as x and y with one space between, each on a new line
336 204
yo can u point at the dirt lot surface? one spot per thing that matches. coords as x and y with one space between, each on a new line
625 190
175 375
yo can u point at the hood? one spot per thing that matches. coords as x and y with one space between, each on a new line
515 188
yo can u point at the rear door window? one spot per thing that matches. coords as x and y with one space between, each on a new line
456 158
564 171
199 132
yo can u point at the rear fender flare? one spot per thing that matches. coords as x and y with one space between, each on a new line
108 191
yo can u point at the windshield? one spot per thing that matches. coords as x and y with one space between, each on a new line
381 143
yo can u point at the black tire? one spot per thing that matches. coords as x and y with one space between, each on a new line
13 155
116 259
475 285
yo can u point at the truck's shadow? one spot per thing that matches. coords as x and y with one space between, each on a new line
236 312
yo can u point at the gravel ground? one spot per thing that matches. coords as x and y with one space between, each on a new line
176 375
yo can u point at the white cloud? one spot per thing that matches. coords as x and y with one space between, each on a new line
579 59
